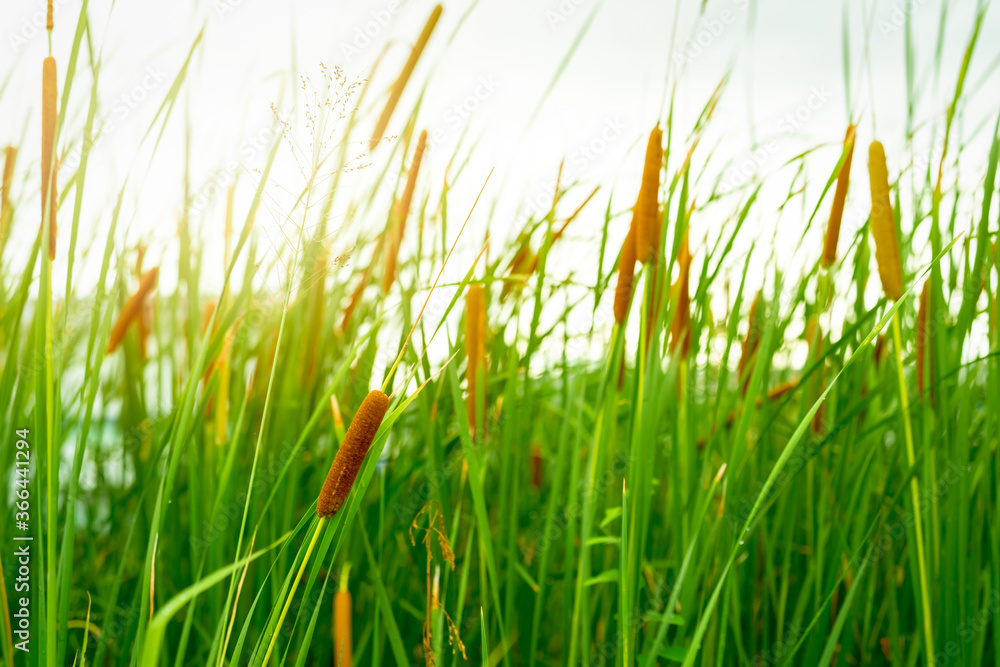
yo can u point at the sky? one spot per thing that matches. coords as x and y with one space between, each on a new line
497 77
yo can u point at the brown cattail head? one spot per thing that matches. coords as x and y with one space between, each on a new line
342 643
49 117
6 215
536 466
839 197
351 454
397 88
132 309
49 23
397 221
883 224
680 328
647 237
780 390
626 272
924 345
475 349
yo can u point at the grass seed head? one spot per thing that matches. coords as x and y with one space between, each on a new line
351 454
132 309
647 238
839 197
49 117
883 224
397 88
626 272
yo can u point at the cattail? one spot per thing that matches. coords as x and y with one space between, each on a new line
924 335
536 466
397 88
49 117
521 266
883 224
839 196
680 328
132 309
342 643
397 222
351 454
6 215
626 272
780 390
750 344
647 236
49 23
475 347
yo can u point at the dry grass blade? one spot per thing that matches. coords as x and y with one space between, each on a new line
839 197
404 76
883 224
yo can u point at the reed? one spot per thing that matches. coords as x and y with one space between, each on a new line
49 117
647 237
475 350
883 224
397 88
6 214
343 607
397 220
626 272
351 454
839 197
132 309
680 327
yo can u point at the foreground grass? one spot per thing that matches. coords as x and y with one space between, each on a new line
694 495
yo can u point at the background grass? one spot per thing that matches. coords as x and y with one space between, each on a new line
622 502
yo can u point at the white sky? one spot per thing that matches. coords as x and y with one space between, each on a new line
507 52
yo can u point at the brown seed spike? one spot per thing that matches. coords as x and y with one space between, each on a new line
397 88
883 225
647 237
680 328
626 273
839 197
924 334
342 646
132 309
351 454
49 117
10 158
397 221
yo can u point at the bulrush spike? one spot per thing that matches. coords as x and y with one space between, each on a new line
839 197
680 328
626 272
6 215
647 237
475 348
132 309
343 608
397 88
883 225
397 221
49 117
351 454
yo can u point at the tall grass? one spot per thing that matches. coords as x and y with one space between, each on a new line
722 466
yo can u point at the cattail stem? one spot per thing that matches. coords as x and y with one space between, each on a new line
291 593
918 527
